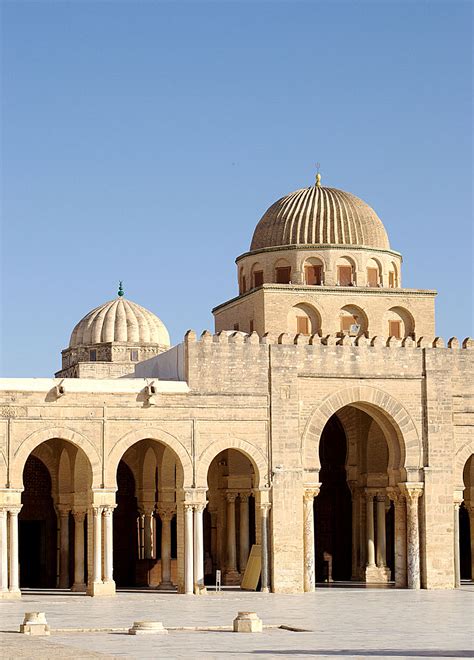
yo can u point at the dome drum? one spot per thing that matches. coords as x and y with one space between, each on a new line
321 266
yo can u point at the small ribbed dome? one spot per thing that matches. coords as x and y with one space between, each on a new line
320 216
119 320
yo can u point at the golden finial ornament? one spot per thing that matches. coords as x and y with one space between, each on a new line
318 175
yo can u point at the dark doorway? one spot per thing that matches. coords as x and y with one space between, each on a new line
465 543
125 528
37 528
332 507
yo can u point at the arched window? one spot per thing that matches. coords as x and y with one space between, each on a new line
353 321
393 276
345 272
373 273
304 319
313 271
399 323
282 272
256 276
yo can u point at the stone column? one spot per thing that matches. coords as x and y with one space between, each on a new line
244 531
148 532
166 513
63 546
188 549
108 544
370 530
141 535
400 533
308 538
231 574
470 509
97 542
14 570
355 529
381 533
413 492
199 587
362 534
3 551
79 584
265 580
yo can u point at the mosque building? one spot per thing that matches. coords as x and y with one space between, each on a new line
323 433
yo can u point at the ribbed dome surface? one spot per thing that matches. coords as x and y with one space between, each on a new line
119 320
320 216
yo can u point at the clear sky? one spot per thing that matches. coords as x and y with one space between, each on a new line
143 141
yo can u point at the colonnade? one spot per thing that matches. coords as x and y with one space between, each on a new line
373 549
233 569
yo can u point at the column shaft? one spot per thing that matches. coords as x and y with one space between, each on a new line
198 549
148 534
79 584
63 548
457 554
265 572
370 530
14 572
413 537
97 559
231 541
108 544
381 533
188 549
308 539
244 532
166 517
3 551
400 542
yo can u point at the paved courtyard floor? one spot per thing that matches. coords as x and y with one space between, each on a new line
340 623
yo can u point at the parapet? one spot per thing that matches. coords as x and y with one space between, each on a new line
239 338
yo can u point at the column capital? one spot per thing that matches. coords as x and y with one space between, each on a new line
79 514
310 493
231 496
412 490
97 510
370 493
200 506
244 495
109 509
166 511
265 507
380 496
188 506
146 509
14 510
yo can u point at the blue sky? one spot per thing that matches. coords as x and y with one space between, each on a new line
143 141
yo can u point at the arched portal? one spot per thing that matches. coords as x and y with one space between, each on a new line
230 527
354 523
57 478
145 534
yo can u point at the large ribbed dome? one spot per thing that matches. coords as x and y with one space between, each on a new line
119 320
320 216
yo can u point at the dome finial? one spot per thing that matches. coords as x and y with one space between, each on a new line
318 175
120 290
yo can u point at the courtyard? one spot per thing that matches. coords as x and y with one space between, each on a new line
335 622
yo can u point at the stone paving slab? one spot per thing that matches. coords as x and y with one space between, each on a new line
344 623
